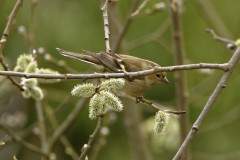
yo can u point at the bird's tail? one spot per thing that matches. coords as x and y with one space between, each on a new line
82 57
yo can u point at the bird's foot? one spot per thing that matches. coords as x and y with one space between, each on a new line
139 99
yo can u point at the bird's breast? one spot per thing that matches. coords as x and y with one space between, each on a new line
134 88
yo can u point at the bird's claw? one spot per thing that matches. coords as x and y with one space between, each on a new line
139 99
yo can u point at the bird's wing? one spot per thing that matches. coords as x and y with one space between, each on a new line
134 64
107 60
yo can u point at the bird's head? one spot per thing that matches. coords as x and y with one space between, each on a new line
161 77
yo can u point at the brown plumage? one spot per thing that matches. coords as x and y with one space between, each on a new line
118 63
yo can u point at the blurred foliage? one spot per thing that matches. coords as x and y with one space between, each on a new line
77 24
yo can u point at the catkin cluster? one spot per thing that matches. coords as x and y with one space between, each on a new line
27 64
103 98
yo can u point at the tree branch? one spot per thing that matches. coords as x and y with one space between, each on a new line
139 8
31 34
230 43
137 139
106 29
119 38
9 25
42 126
150 37
221 39
212 99
4 40
21 141
209 12
66 124
180 77
223 67
143 100
68 147
85 149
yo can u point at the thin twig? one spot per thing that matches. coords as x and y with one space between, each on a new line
21 141
212 99
221 39
15 83
223 67
59 109
212 16
198 91
68 147
137 141
9 25
180 77
4 40
66 124
143 100
60 63
222 120
106 29
31 34
132 117
128 21
42 126
150 37
2 142
139 8
91 137
165 44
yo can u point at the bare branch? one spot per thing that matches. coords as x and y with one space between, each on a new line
68 147
230 43
180 77
223 67
106 29
85 149
139 8
21 141
143 100
2 142
4 39
215 36
42 126
211 15
119 38
212 99
31 34
9 25
222 120
66 124
60 63
150 37
5 67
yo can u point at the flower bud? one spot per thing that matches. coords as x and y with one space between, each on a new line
112 84
83 90
161 120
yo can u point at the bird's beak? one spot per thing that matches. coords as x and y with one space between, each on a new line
165 80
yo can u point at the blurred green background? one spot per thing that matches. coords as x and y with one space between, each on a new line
75 25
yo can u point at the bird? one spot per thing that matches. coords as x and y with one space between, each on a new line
120 63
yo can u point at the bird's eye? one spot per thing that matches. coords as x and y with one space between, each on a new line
158 75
